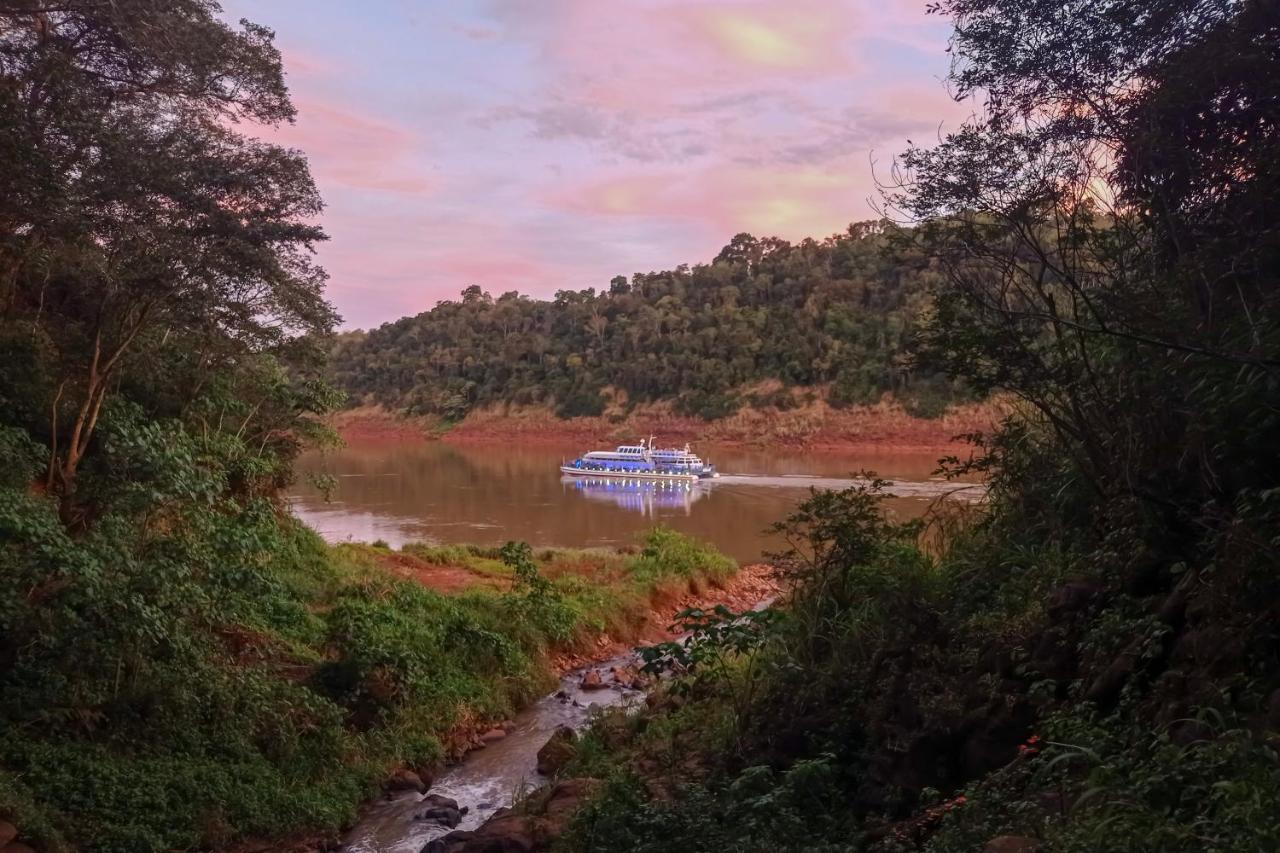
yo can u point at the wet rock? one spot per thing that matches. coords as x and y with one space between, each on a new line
1013 844
493 735
566 798
591 680
406 780
505 833
513 832
558 751
628 677
441 810
446 843
8 832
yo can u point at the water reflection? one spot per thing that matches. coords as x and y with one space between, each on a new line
438 493
646 497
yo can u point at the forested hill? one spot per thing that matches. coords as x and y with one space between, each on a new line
840 311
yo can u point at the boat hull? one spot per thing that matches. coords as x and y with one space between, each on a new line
629 475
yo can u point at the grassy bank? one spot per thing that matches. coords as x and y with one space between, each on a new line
240 679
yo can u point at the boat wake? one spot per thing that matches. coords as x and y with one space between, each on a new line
896 488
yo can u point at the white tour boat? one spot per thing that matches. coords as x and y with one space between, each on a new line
642 461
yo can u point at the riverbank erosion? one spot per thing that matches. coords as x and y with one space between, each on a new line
809 423
330 674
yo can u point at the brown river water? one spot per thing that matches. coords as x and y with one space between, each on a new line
439 493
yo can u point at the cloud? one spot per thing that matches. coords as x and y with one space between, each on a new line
792 202
354 150
549 145
556 120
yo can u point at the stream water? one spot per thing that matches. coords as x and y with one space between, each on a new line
437 493
490 778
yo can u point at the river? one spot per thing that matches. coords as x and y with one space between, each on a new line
493 777
439 493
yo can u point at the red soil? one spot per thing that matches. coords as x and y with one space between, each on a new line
750 586
815 426
442 579
372 425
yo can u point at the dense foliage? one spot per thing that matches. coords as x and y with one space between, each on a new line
181 664
839 311
1092 664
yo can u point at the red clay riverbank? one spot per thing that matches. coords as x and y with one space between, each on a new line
750 586
814 426
745 589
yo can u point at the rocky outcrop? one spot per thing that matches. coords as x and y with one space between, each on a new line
407 780
628 677
521 832
558 751
9 832
441 810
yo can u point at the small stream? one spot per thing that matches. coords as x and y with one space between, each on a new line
488 779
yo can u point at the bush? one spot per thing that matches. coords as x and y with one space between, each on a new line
668 554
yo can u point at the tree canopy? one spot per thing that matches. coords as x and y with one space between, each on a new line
841 311
138 225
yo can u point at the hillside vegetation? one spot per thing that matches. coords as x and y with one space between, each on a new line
182 665
1092 663
839 312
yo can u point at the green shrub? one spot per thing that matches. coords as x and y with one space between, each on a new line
668 554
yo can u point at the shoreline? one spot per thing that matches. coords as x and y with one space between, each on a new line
746 587
884 427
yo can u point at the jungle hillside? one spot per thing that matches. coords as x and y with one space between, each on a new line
840 313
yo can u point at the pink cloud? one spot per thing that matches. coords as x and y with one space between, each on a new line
792 202
496 273
706 49
350 149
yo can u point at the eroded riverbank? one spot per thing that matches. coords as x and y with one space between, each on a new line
813 425
495 776
497 760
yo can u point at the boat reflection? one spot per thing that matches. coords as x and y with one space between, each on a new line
646 497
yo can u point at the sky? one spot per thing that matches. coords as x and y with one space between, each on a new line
543 145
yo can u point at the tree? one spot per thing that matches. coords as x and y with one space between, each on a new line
816 313
1106 231
138 218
